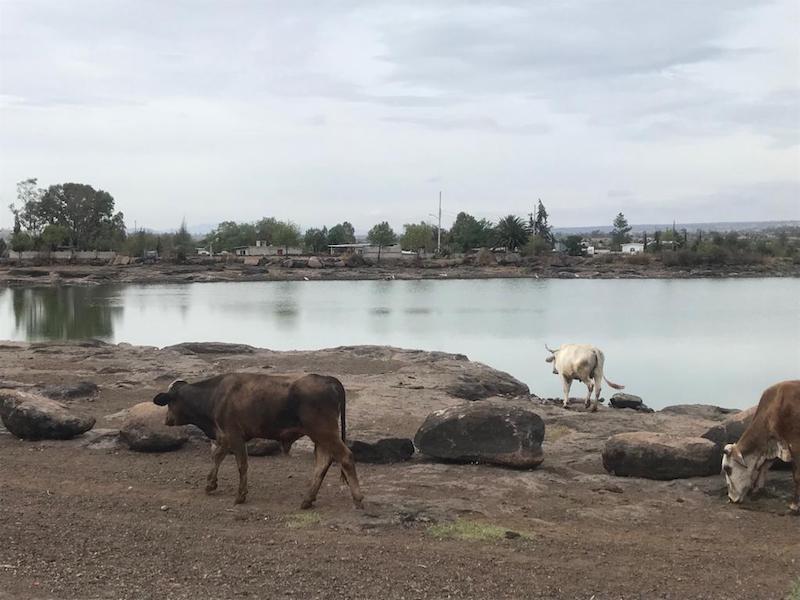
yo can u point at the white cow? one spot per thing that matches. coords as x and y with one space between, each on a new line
583 363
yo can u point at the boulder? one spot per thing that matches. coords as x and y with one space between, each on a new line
387 450
101 439
660 456
701 411
33 417
621 400
731 429
211 348
262 447
483 433
143 429
485 384
314 263
294 263
82 389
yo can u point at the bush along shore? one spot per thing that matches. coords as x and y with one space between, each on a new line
483 265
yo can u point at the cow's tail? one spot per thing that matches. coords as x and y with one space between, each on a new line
616 386
600 360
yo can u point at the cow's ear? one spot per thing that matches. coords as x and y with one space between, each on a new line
161 399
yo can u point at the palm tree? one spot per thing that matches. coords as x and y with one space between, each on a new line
511 233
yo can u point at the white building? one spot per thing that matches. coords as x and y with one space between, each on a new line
633 248
263 249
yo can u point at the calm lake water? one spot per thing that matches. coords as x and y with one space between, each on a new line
669 341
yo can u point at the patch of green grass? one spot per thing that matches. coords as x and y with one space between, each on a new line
794 592
463 529
555 432
302 519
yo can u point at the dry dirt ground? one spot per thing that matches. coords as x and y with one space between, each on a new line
77 522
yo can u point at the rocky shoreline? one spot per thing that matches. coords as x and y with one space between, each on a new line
536 527
197 270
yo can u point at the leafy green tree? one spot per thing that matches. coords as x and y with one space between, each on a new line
21 241
541 227
229 235
510 232
382 235
621 232
286 233
573 245
343 233
3 247
27 211
316 240
468 232
418 236
536 246
265 230
182 242
54 236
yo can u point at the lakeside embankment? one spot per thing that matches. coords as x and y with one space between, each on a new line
332 269
89 518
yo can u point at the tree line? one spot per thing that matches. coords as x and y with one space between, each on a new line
75 215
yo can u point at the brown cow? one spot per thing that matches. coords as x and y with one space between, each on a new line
232 409
773 433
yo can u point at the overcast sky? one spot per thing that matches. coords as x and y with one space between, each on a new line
362 111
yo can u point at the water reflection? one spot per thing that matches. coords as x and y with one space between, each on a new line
64 313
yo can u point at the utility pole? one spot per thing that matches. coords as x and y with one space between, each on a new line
439 227
439 236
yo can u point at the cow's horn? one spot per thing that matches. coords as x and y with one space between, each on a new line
549 349
176 384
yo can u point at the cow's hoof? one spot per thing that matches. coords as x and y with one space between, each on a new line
240 499
306 504
565 406
358 504
211 487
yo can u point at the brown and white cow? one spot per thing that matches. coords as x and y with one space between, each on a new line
773 433
234 408
580 362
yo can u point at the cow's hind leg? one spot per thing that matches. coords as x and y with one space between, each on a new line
589 386
795 505
240 452
219 450
344 457
322 462
567 383
597 385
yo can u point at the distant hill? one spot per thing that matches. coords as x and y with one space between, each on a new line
691 227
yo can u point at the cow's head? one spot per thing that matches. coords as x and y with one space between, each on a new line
552 352
172 400
740 474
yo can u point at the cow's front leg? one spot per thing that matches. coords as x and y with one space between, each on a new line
795 505
761 478
567 383
240 452
219 450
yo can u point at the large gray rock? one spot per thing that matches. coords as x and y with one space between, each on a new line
262 447
483 433
82 389
211 348
731 429
701 411
143 429
385 451
33 417
660 456
622 400
314 263
486 383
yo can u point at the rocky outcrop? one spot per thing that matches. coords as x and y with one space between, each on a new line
701 411
33 417
660 456
143 430
314 263
485 383
483 433
262 447
211 348
82 389
731 429
385 451
622 400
